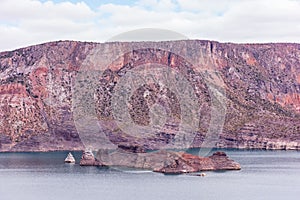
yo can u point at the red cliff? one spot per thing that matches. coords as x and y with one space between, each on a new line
260 84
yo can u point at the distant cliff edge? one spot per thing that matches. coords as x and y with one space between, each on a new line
260 82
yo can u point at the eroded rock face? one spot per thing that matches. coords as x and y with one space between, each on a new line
262 84
35 97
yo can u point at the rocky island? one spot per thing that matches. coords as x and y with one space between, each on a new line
167 162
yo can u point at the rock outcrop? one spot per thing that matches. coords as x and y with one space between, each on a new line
88 159
168 162
187 163
261 84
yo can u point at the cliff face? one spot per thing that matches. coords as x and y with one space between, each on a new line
39 94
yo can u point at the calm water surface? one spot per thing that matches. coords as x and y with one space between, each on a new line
36 176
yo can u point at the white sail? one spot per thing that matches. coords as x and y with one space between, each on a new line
70 158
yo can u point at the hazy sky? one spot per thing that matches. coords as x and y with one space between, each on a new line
26 22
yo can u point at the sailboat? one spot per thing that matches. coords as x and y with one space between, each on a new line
70 158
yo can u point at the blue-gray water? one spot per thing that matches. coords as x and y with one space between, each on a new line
37 176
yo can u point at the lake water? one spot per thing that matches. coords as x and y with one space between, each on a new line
267 175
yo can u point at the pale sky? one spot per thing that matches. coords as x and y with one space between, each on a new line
27 22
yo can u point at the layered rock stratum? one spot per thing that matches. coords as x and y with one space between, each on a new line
259 85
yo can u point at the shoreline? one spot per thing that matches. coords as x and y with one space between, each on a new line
194 148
